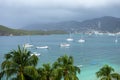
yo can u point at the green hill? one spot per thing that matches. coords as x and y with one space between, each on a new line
5 31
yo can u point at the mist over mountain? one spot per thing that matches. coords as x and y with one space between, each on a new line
102 24
53 26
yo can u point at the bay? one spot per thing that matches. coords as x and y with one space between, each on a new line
92 54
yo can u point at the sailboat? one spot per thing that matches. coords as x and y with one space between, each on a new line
28 45
81 40
70 38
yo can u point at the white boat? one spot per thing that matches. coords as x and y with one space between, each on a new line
64 45
70 38
42 47
27 45
80 66
36 54
81 40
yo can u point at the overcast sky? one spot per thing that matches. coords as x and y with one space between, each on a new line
20 13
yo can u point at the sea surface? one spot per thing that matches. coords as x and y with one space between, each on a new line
96 51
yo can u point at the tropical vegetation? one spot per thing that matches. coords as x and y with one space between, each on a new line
67 70
107 73
21 65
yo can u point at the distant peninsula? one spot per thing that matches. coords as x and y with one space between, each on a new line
5 31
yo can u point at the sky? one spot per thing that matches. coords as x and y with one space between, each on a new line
20 13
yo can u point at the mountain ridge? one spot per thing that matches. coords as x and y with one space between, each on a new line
106 24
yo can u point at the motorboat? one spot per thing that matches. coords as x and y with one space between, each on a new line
42 47
64 45
69 39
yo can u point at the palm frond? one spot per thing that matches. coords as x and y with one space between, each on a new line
30 71
116 76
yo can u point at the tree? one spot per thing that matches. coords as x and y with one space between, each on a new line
116 76
19 65
66 69
106 73
47 72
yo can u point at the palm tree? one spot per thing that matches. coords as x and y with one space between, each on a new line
66 68
47 72
19 65
116 76
106 73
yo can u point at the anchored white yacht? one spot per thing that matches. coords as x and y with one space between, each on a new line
81 40
70 38
27 45
42 47
64 45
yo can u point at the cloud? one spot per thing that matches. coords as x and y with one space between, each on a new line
60 3
23 12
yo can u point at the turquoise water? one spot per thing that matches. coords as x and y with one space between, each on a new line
93 54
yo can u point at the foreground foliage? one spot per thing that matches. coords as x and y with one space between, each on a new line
107 73
20 65
66 68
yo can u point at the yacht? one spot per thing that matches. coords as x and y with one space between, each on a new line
64 45
70 38
27 45
42 47
81 40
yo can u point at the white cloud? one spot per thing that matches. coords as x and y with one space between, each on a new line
61 3
23 12
97 3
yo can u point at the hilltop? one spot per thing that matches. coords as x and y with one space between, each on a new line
103 24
